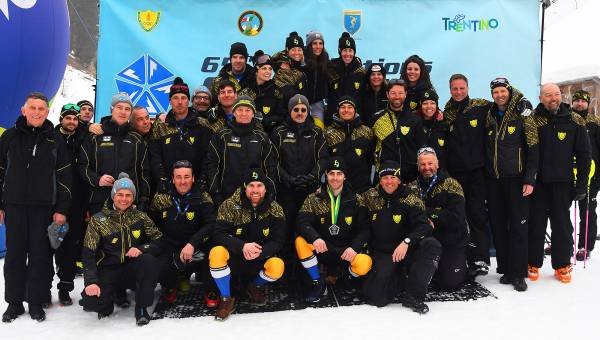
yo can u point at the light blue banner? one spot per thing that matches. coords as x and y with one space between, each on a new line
145 44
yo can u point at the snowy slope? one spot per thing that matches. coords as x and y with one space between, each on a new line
76 86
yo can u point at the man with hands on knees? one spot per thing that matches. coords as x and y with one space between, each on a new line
333 229
119 248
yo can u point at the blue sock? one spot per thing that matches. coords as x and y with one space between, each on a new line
222 277
312 267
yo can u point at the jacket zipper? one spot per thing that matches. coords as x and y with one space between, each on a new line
520 165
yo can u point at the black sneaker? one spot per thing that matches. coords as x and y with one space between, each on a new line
64 298
13 311
417 305
36 312
121 299
519 284
141 316
506 280
317 291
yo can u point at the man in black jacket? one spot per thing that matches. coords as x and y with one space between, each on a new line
445 209
581 101
561 135
465 154
183 135
35 190
120 246
118 149
70 249
185 216
333 228
511 168
238 71
404 256
249 232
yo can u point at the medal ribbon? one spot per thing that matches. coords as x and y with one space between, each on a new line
335 206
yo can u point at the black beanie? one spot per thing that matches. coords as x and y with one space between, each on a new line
85 102
238 48
346 41
293 40
179 87
346 100
430 94
498 82
389 168
255 175
68 109
375 67
336 163
581 94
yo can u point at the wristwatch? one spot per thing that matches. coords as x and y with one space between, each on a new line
407 241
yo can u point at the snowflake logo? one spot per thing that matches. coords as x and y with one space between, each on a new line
24 4
147 83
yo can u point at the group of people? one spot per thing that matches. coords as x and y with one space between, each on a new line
300 168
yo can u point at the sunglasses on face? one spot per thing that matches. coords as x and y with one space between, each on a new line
298 109
204 98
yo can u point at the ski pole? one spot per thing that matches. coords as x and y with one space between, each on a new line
575 233
587 210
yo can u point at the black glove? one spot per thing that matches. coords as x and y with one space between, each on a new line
142 206
163 186
580 194
296 182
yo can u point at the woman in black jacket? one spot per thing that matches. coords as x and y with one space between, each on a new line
434 126
372 97
316 58
416 75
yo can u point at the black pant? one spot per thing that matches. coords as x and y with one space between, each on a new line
28 265
509 213
551 200
290 201
473 185
169 274
452 269
592 225
140 273
387 278
70 249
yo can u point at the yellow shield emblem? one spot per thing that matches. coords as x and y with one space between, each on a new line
356 85
136 233
397 218
562 135
168 140
148 19
192 140
348 220
511 129
189 215
404 129
473 122
114 240
441 141
165 214
335 86
266 109
300 86
358 152
374 217
266 231
413 105
238 231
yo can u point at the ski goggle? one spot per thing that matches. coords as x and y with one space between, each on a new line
68 107
426 150
499 82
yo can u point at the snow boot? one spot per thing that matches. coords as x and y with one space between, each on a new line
36 312
13 311
141 316
533 273
317 291
519 284
563 274
64 298
225 309
416 305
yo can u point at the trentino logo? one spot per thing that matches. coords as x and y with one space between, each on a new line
147 83
24 4
461 23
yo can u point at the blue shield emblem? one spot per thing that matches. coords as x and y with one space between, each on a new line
352 21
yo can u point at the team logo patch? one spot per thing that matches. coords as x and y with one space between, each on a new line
397 218
164 214
335 86
114 240
266 109
358 152
148 20
266 231
562 135
356 85
404 129
192 140
511 129
348 220
322 220
473 122
136 233
254 175
374 217
413 105
238 231
300 86
168 140
441 142
352 22
190 215
250 23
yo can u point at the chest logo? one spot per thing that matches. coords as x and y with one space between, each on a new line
356 85
397 218
164 214
300 86
404 129
266 231
473 123
413 105
358 152
511 129
136 233
192 140
441 141
266 109
114 240
235 139
322 220
238 231
168 140
189 215
348 220
374 217
562 135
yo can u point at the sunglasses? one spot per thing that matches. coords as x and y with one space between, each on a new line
204 98
427 150
71 107
297 109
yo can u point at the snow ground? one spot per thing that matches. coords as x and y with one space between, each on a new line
76 86
548 310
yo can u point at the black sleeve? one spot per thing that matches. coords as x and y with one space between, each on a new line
450 217
322 155
212 164
364 229
64 177
270 163
91 242
305 221
143 169
420 227
207 221
156 243
277 237
156 164
533 151
4 144
283 176
87 161
583 154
